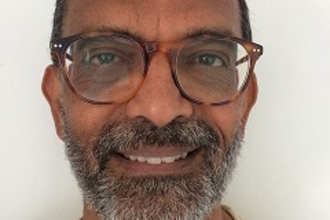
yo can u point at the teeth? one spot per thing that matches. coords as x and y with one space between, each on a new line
156 160
168 159
132 157
141 159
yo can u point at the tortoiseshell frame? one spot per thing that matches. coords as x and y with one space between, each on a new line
59 46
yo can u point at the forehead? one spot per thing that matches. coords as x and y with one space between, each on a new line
153 20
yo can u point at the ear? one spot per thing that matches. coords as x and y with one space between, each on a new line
250 96
51 88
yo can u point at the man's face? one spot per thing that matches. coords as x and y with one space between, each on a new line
157 153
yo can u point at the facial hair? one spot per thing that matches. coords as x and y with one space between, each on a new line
190 196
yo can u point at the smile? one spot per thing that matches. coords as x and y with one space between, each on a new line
157 160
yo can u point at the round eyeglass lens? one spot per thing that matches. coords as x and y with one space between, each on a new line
105 68
212 70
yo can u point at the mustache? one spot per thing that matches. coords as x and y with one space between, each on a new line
141 134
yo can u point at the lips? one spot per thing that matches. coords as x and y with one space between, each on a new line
154 161
157 160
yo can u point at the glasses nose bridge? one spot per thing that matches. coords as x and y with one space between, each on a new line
152 48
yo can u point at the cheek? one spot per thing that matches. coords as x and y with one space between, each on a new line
86 120
225 119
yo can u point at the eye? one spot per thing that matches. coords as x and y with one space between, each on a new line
105 58
210 60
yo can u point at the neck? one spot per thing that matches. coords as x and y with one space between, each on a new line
89 213
217 214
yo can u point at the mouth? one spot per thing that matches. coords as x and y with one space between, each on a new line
155 161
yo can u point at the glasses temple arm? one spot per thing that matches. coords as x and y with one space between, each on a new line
242 60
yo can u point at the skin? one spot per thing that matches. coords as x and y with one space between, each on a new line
158 100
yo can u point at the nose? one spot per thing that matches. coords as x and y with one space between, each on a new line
158 99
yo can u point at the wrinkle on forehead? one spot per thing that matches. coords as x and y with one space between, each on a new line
155 20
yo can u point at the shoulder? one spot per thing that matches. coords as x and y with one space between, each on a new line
231 213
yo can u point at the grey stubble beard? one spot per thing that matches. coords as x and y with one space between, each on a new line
190 196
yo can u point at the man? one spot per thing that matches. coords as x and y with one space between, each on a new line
151 98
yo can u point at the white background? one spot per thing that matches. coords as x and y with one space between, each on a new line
284 171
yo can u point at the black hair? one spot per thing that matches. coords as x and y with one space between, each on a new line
61 10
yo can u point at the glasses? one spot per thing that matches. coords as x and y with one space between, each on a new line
109 68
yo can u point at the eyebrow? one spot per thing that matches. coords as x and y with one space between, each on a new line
209 31
193 33
121 31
